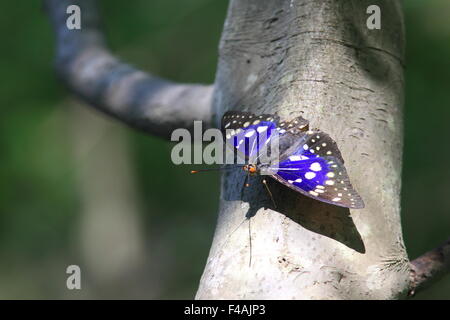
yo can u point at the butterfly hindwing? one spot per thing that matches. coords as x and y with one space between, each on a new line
335 190
315 168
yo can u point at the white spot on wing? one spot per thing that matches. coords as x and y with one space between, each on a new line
315 166
262 129
310 175
250 133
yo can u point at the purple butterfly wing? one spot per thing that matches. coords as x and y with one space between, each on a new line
315 168
249 134
310 162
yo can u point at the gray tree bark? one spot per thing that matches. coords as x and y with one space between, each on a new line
317 59
314 58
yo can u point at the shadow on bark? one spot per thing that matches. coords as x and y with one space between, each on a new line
328 220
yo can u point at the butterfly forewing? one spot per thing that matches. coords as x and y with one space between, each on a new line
250 134
247 133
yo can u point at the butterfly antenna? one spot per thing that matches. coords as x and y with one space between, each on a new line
268 191
229 236
213 169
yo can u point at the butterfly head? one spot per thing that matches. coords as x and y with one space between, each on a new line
252 169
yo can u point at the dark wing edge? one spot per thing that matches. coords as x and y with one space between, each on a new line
296 125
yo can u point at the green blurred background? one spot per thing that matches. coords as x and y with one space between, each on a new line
78 188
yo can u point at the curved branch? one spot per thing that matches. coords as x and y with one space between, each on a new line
430 267
139 99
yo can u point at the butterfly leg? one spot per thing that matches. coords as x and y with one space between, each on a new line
264 181
245 185
250 242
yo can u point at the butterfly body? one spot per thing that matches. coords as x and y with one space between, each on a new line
251 168
308 161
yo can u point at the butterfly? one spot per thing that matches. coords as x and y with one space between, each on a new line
307 161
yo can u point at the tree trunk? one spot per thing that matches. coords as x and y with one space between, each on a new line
317 59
